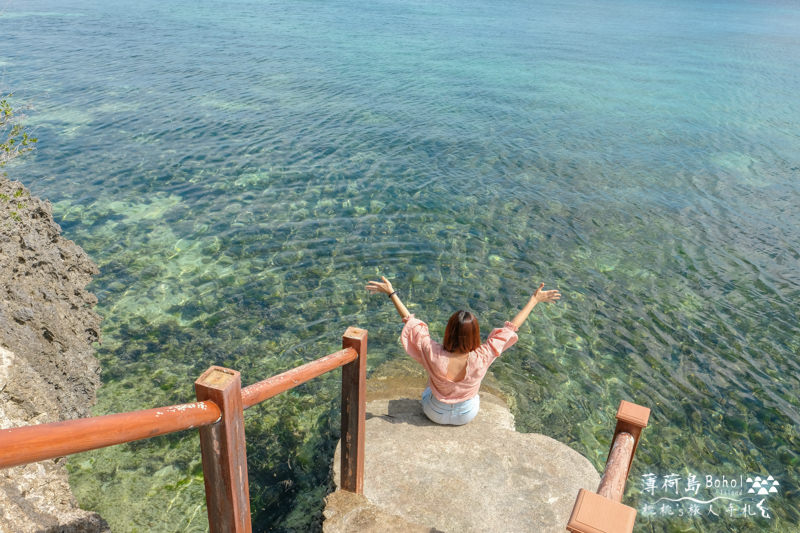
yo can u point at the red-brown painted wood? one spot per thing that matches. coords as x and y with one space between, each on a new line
224 454
29 444
612 485
220 417
603 512
593 513
354 411
631 418
263 390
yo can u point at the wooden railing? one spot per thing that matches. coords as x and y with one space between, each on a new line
219 415
604 512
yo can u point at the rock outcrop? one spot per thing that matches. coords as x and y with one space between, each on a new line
48 371
484 476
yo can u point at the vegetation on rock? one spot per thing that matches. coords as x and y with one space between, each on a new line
14 140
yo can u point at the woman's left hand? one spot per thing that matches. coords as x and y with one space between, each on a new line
546 296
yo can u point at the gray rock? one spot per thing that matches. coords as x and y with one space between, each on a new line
48 371
483 476
23 314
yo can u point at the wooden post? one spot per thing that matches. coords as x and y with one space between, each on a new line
224 453
593 513
354 410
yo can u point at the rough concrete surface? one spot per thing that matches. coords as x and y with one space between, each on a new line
48 371
347 511
480 477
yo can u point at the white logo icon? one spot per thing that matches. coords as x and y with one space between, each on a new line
763 486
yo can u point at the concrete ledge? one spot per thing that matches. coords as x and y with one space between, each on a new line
480 477
346 511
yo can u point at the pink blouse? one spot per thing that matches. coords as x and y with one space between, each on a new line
434 358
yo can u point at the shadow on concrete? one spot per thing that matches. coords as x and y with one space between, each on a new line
405 411
88 524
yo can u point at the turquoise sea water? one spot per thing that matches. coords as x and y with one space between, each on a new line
238 170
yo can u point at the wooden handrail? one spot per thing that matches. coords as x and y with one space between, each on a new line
612 485
603 511
29 444
218 414
266 389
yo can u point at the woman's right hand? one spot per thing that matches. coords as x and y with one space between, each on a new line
384 286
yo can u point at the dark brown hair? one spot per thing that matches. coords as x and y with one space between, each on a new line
462 334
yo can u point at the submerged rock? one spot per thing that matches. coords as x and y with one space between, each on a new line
483 476
48 371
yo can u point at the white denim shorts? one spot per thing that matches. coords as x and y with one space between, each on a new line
453 414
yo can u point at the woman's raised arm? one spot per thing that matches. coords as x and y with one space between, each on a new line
385 287
537 297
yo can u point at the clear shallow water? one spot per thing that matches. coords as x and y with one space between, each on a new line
238 171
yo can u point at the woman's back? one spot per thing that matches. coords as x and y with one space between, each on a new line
457 366
454 377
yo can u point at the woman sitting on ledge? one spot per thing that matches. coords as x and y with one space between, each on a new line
457 366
